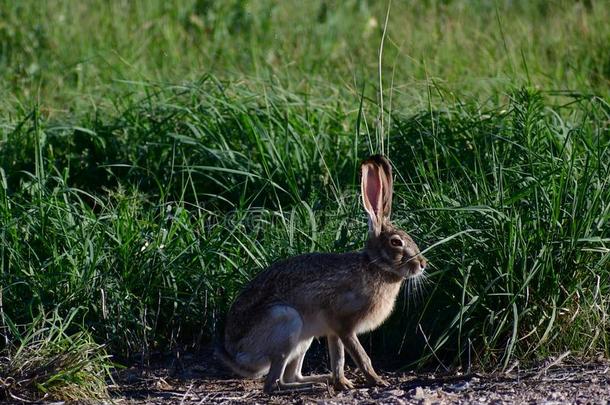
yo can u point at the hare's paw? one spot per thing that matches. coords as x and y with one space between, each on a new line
286 388
342 384
377 381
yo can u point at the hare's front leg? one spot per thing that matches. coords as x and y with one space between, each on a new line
358 354
337 363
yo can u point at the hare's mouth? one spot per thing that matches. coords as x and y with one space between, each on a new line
412 267
415 270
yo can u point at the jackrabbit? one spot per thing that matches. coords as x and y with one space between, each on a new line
275 318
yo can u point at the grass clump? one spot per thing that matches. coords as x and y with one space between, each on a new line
45 361
200 187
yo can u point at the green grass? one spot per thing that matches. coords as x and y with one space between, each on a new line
77 56
172 151
44 361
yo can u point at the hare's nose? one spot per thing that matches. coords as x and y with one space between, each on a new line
423 264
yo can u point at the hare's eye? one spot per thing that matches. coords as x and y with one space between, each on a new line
396 241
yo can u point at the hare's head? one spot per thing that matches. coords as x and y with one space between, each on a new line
390 248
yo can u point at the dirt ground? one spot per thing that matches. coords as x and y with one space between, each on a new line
201 380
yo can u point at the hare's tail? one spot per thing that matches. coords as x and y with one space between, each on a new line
243 370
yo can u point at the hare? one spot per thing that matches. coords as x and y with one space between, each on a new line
273 321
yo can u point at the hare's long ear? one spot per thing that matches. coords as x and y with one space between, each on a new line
372 194
388 184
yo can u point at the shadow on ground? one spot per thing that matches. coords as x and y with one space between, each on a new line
199 379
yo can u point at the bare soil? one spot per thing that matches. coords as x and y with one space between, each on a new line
201 380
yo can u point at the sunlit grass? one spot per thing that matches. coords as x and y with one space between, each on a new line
48 360
78 57
154 219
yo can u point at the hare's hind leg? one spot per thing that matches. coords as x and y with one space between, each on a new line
282 327
275 381
294 367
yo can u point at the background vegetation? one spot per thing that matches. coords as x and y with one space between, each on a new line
155 155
